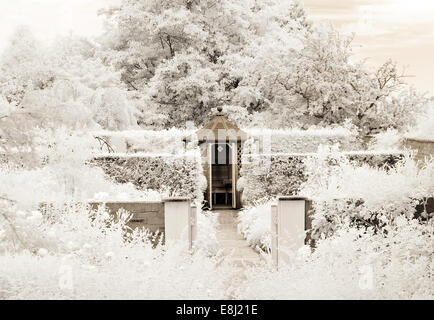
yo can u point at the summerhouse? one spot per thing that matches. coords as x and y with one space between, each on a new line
220 142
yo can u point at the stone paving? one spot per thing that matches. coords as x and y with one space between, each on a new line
233 247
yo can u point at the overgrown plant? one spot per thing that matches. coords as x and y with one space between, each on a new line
75 253
354 264
371 197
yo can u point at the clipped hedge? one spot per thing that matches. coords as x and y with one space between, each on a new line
302 141
145 141
265 176
177 175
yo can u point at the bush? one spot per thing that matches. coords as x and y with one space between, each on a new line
28 188
390 140
365 195
265 176
424 128
60 174
66 255
178 175
254 225
206 239
353 264
354 187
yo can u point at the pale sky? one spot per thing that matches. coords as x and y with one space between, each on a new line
400 29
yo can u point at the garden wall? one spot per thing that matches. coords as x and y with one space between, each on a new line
146 214
424 147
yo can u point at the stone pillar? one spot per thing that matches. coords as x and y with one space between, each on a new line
177 220
274 228
193 224
291 226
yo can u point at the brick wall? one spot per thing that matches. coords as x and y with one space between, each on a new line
149 215
424 148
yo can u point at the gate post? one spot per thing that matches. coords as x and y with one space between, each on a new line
193 225
274 235
291 225
177 221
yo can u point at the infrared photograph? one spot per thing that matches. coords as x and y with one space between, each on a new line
216 158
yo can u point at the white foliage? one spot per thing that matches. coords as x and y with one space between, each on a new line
353 264
254 224
390 139
304 141
374 185
146 141
424 128
67 267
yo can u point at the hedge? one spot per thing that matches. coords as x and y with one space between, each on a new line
265 176
303 141
179 175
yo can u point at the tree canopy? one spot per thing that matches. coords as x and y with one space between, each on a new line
162 63
185 57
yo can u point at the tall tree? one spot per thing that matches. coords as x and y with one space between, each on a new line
185 57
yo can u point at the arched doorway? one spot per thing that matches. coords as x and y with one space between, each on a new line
222 175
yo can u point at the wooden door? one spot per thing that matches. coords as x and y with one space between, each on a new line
210 159
234 174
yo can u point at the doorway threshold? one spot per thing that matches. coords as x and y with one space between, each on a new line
222 207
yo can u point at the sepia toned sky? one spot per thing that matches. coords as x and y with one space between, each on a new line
399 29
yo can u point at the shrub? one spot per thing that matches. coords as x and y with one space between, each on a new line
424 128
365 195
206 239
69 256
357 187
265 176
353 264
28 188
180 175
254 225
60 174
390 139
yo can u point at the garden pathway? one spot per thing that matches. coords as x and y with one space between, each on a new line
233 247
